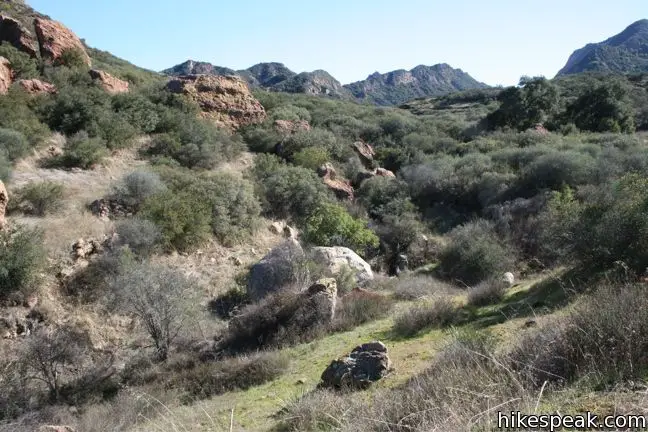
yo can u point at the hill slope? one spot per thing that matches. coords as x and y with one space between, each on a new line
399 86
626 52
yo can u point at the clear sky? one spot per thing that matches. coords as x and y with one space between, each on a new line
495 41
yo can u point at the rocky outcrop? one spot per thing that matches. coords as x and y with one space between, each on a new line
335 259
322 296
365 365
226 100
12 31
278 269
4 200
109 83
84 249
366 153
288 127
5 75
35 86
341 187
54 39
281 228
382 172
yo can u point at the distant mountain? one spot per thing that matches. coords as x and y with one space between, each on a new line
396 87
626 52
392 88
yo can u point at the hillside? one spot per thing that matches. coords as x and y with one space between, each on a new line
387 89
203 253
624 53
396 87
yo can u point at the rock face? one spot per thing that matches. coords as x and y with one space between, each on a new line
54 38
341 187
5 75
110 83
35 86
366 364
322 296
336 258
366 153
4 200
288 127
275 271
224 99
12 31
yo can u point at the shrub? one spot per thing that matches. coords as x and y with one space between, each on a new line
22 65
474 254
556 170
230 302
136 187
182 218
42 198
143 237
13 144
236 373
81 151
22 257
76 108
440 312
115 130
332 225
137 110
311 157
383 196
16 114
357 308
92 282
72 58
153 294
486 293
416 287
5 168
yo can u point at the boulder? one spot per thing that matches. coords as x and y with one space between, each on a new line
276 270
109 83
4 200
226 100
382 172
366 364
5 75
54 39
336 258
14 32
322 296
366 153
36 86
107 208
288 127
341 187
508 278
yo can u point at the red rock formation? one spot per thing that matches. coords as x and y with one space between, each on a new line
5 75
54 38
366 153
226 100
110 83
341 187
287 127
12 31
35 86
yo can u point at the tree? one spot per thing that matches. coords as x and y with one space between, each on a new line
153 294
604 107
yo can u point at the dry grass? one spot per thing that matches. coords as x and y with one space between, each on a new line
439 312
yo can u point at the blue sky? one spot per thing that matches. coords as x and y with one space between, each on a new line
495 41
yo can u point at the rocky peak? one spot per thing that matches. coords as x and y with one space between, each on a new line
270 74
54 38
226 100
192 67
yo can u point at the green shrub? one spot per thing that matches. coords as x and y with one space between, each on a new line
311 157
437 313
76 109
486 293
137 110
41 199
143 237
136 187
384 196
81 151
13 144
16 113
22 65
21 259
73 58
5 168
332 225
474 254
115 130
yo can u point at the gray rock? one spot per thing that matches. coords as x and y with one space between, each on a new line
278 269
366 364
336 258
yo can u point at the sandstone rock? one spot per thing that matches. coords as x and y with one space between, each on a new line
276 270
4 200
366 364
276 228
5 75
341 187
290 232
508 278
336 258
109 83
288 127
54 39
382 172
226 100
322 296
366 153
35 86
12 31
